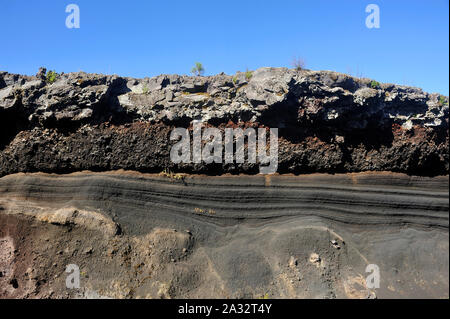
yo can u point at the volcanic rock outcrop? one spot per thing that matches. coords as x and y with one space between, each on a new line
328 122
86 179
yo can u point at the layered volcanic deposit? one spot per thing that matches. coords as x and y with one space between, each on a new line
87 179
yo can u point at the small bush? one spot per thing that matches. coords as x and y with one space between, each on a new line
248 75
235 78
51 77
442 100
298 63
374 84
198 69
145 89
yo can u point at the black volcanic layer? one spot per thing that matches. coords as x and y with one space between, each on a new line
328 122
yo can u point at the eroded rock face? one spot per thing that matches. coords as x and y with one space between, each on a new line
328 122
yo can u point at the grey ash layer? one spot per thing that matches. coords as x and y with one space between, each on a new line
310 236
328 122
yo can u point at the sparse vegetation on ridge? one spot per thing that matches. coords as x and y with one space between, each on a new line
298 63
198 69
442 100
374 84
51 77
248 75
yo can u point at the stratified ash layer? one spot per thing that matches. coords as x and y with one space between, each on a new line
140 235
327 121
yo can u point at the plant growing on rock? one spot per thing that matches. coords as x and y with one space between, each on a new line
248 75
51 77
167 173
442 100
374 84
298 63
198 69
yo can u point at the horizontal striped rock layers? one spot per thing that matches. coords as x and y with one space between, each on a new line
144 235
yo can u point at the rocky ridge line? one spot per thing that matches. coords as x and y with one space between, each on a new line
328 121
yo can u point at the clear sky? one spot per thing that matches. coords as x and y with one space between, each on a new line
147 38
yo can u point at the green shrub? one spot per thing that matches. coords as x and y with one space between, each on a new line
374 84
248 75
51 77
442 100
198 69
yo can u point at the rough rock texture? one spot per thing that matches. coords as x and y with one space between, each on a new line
328 122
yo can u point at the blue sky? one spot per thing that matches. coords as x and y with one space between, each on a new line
147 38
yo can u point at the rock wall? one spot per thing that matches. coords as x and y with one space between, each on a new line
327 121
